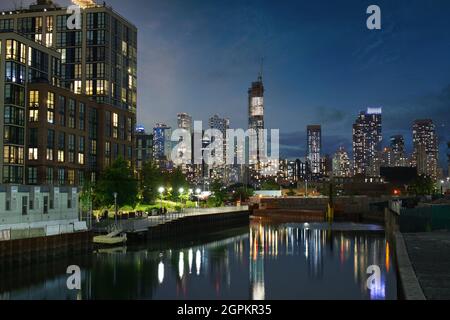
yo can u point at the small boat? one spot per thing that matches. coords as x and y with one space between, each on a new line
111 240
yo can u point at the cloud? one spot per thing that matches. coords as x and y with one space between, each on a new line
293 144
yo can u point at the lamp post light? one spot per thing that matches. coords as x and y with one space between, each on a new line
197 192
115 207
161 191
442 186
180 192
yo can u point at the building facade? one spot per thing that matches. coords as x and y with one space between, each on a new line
367 142
144 148
22 61
69 94
220 171
28 211
71 138
162 144
398 150
99 60
256 123
341 164
426 153
184 121
314 147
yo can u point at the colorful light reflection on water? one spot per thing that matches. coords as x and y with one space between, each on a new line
265 261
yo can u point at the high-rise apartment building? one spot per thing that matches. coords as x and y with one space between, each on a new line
426 153
219 171
184 121
398 151
99 60
22 61
88 109
367 140
341 164
144 148
256 123
162 144
314 147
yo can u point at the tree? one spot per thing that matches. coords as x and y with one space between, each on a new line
86 196
242 194
175 180
423 185
119 177
270 185
151 180
219 194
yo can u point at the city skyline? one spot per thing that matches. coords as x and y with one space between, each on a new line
299 90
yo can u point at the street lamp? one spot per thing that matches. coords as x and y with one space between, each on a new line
115 206
161 191
442 186
197 192
180 192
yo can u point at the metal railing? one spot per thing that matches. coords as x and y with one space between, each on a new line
141 224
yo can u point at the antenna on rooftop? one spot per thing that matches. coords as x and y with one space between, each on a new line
261 69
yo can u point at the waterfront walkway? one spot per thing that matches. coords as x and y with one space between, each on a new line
143 224
429 253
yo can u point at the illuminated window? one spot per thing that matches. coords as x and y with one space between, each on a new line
13 155
60 156
71 177
80 158
34 99
115 125
32 153
11 49
50 23
124 95
124 48
77 86
50 107
38 24
33 115
101 87
89 87
51 100
63 55
49 40
49 156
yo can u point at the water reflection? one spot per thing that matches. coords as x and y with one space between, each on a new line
266 261
329 253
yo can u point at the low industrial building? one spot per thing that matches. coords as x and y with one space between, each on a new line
32 211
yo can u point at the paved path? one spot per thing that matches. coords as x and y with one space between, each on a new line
429 253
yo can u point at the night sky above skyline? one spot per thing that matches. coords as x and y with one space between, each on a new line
322 65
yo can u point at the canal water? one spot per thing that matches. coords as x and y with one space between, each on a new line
263 261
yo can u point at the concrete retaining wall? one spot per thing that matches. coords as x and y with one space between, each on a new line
27 251
192 226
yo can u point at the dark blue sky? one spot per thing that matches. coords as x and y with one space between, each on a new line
322 65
